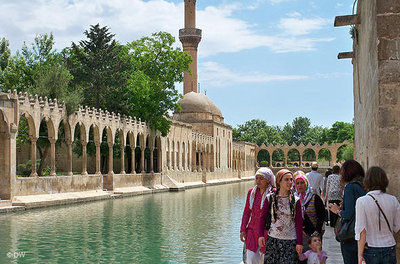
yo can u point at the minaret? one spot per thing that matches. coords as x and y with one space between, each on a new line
190 37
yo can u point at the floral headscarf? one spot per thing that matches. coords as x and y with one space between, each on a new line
306 196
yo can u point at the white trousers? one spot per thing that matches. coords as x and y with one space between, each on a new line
254 257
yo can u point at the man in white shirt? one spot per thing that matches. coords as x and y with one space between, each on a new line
315 179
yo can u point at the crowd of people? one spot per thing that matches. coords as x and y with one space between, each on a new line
283 219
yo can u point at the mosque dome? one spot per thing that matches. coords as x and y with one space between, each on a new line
198 103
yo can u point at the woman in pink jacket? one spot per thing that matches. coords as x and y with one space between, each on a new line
265 181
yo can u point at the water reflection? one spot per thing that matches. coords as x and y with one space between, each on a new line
195 226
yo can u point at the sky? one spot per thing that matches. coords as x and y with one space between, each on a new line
273 60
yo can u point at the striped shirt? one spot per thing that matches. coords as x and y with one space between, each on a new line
368 217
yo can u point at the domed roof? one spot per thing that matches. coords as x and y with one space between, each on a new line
198 103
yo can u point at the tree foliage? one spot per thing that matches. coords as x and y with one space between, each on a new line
99 69
155 67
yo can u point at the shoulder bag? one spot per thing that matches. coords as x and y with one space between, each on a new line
345 230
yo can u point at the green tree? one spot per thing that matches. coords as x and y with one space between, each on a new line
345 153
257 131
5 53
155 67
297 131
100 69
341 131
43 73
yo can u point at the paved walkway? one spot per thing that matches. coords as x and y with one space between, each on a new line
332 247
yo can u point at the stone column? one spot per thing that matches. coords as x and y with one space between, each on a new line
122 159
69 157
33 157
285 165
333 156
110 158
84 158
151 161
270 160
301 160
159 160
52 156
133 160
208 163
98 157
142 160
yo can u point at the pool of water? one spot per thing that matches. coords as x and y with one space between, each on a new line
196 226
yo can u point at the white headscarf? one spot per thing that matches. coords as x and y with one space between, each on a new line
267 174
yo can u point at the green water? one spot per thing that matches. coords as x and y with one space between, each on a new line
196 226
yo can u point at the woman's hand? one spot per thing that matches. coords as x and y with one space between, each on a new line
261 241
333 208
361 260
299 249
243 236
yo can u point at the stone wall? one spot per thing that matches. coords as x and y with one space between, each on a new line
376 75
56 184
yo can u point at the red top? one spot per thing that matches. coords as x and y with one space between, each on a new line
251 228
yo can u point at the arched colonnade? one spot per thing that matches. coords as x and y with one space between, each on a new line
332 148
104 127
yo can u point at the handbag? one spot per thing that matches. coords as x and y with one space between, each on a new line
344 230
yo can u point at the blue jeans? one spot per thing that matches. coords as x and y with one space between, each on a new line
349 252
386 255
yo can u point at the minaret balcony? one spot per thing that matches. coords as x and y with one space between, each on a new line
190 35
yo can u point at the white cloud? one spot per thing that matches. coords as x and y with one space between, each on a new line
215 74
131 19
302 26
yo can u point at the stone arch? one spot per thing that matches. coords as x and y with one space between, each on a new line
183 156
147 154
119 151
309 156
63 139
325 156
294 157
138 152
80 143
106 147
46 144
26 165
278 158
263 155
157 155
94 147
5 156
